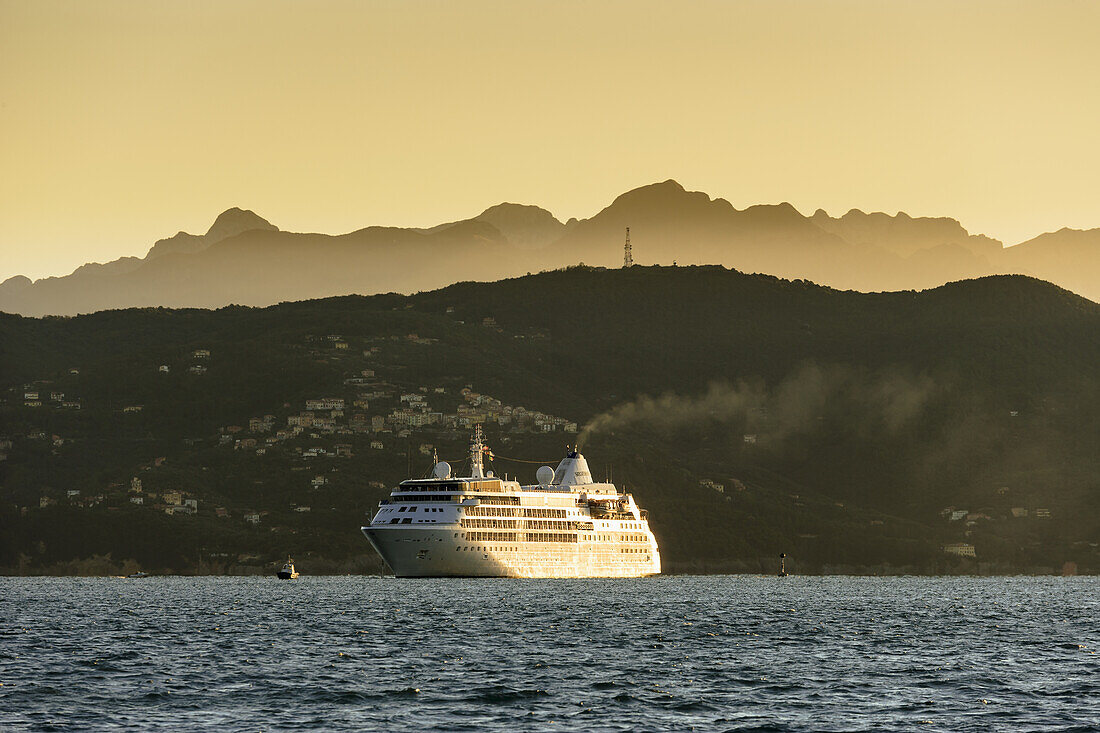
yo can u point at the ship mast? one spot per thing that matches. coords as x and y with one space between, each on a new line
476 448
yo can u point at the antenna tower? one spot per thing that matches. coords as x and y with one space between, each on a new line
628 254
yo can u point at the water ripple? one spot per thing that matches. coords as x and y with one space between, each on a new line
669 653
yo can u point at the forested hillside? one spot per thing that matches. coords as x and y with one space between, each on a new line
751 415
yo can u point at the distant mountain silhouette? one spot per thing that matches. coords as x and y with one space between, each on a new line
14 285
1068 257
933 250
523 226
669 224
244 259
228 224
904 235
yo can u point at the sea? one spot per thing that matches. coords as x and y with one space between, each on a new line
669 653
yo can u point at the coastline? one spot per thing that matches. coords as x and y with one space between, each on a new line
977 570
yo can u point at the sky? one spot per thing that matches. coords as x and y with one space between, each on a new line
124 122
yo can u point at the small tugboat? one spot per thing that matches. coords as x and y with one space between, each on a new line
288 572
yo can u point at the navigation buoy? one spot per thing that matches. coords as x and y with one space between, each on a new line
782 565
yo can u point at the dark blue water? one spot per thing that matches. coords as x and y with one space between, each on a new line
667 653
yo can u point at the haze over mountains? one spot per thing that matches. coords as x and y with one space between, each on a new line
244 259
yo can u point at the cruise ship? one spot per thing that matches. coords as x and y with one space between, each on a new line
565 526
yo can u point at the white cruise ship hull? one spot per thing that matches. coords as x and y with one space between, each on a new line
421 552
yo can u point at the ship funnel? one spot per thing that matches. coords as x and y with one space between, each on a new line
572 471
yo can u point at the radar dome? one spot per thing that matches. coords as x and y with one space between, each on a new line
545 475
442 470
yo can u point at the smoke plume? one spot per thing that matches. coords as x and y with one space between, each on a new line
880 402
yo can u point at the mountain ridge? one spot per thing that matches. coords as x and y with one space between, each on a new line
857 250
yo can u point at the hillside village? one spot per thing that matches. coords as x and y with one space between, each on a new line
370 413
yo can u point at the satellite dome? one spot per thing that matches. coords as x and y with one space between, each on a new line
545 475
442 470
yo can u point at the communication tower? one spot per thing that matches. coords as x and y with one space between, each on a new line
628 254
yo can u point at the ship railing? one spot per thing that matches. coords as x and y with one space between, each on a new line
601 513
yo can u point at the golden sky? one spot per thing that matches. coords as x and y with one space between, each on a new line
124 122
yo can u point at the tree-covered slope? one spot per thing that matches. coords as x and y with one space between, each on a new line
752 415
